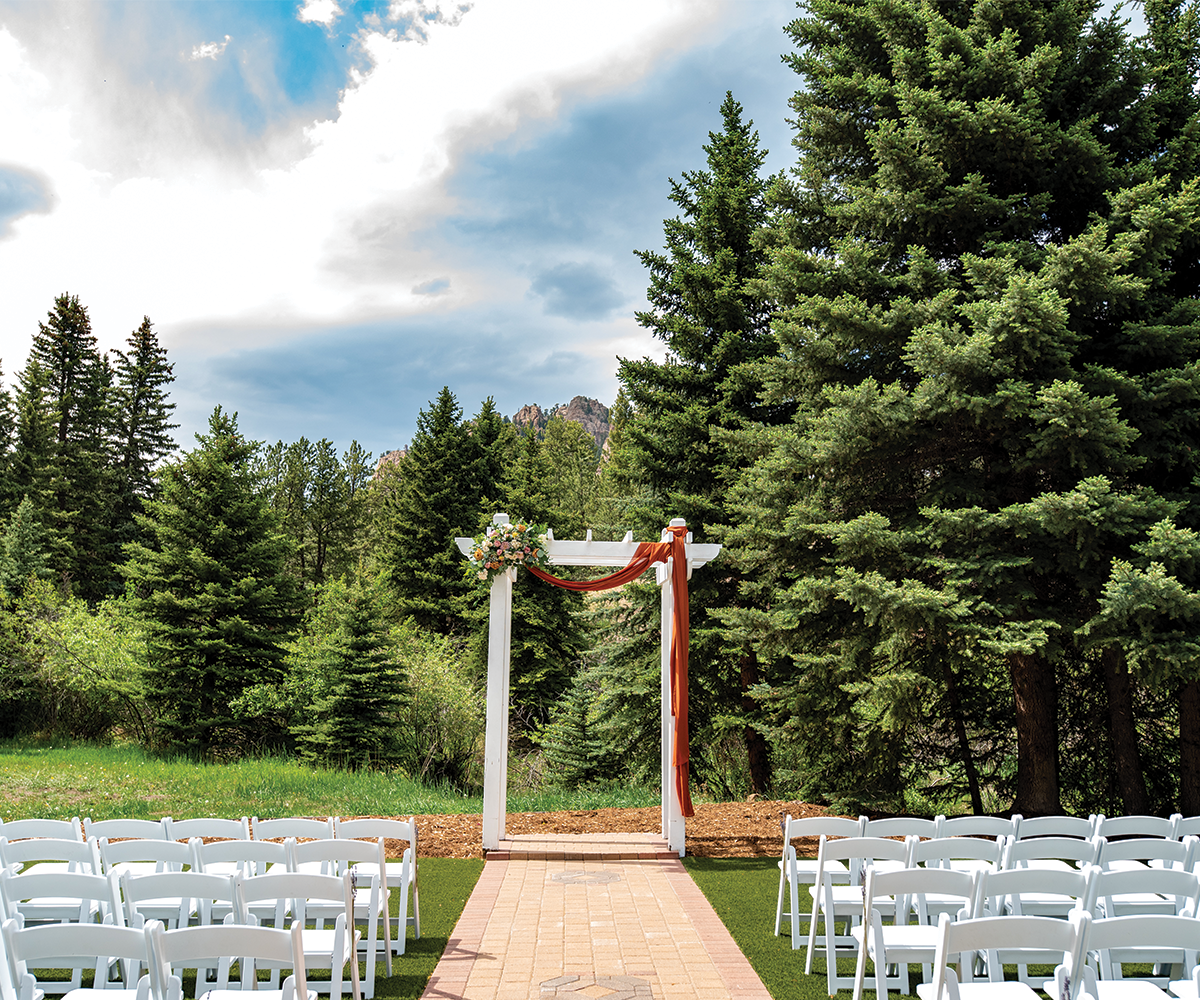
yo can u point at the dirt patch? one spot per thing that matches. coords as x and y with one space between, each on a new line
718 830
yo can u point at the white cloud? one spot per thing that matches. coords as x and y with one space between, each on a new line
418 15
209 50
319 12
329 233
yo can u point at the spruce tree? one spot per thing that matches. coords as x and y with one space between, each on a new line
353 722
212 584
985 265
141 413
22 552
75 381
428 498
674 455
547 638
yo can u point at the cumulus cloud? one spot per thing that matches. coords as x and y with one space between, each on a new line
335 221
319 12
577 291
209 50
417 16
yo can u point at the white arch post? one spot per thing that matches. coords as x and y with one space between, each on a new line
495 750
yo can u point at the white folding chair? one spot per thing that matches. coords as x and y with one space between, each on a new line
101 947
1162 940
978 826
901 943
207 826
143 857
1052 853
960 941
291 893
60 829
1142 853
174 898
1034 892
1056 826
246 857
843 903
1138 826
126 829
50 854
365 862
59 897
899 826
795 872
963 854
219 945
401 875
292 826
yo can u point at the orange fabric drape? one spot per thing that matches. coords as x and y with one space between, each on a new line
646 554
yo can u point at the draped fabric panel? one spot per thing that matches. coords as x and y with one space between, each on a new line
647 554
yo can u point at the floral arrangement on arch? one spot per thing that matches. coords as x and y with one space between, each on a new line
506 546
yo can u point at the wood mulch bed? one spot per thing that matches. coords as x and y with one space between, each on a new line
718 830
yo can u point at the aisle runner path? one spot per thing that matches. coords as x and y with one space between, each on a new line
590 917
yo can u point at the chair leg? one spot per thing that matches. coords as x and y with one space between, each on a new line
779 903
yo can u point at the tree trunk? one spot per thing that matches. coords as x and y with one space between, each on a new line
1035 692
964 745
1130 780
756 745
1189 749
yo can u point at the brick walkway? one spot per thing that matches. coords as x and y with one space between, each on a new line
590 917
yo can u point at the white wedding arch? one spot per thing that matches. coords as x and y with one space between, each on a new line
495 752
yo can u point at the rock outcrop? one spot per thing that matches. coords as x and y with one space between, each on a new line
591 414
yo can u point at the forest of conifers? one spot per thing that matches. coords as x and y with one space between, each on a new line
935 389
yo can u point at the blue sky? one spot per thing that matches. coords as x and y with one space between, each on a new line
331 210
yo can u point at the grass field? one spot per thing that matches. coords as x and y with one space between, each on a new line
107 782
743 892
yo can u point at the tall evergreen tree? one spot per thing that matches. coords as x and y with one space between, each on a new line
708 309
985 264
213 587
427 499
141 411
75 380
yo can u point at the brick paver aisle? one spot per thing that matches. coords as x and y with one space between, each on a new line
590 917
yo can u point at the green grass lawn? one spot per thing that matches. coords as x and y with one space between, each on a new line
105 782
445 885
743 892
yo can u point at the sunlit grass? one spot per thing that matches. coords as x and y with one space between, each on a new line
104 782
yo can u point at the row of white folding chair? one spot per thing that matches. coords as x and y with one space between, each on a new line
278 897
1078 940
927 893
129 949
174 897
1019 892
402 874
959 941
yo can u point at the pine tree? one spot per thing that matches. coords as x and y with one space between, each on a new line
547 639
355 720
22 553
985 265
141 412
213 588
673 453
75 381
428 498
